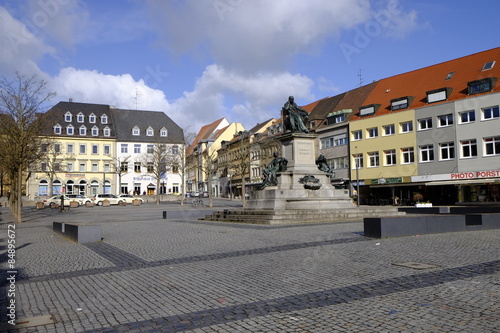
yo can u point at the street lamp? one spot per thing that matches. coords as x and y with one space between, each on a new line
356 161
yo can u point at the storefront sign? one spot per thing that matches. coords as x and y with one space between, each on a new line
75 175
383 181
475 174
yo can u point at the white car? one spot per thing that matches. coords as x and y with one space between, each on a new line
128 198
113 199
56 200
82 200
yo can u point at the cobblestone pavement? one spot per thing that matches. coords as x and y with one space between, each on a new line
179 274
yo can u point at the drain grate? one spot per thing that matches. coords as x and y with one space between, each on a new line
415 265
28 322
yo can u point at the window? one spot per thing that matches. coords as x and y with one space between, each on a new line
70 130
150 167
69 148
358 161
83 130
175 169
83 149
481 86
95 167
137 167
488 65
407 127
43 166
136 131
425 124
491 113
95 149
447 150
107 149
175 150
69 166
92 118
57 148
95 131
44 148
124 148
426 153
437 95
373 159
150 149
357 135
137 149
57 129
469 148
390 157
124 166
163 132
372 132
104 119
340 163
368 110
68 117
467 116
445 120
107 131
150 131
408 155
107 167
83 167
492 146
399 104
80 117
57 166
389 130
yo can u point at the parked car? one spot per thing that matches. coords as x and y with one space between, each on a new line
56 200
82 200
204 194
194 194
113 199
128 198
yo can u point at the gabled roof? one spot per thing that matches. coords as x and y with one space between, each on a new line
125 120
55 116
206 133
418 82
325 106
262 126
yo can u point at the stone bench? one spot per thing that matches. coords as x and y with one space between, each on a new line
78 232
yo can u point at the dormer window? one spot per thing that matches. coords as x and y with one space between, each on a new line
150 131
104 119
92 118
368 110
95 131
57 129
70 130
83 130
80 117
401 103
163 132
136 131
68 117
107 131
488 65
438 95
481 86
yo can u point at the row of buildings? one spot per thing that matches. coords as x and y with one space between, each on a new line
432 134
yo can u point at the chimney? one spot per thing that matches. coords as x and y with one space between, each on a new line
71 100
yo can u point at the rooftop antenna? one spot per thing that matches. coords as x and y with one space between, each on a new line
360 78
136 98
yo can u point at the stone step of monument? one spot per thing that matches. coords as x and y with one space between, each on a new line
301 216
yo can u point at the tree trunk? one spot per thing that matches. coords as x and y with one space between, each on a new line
19 196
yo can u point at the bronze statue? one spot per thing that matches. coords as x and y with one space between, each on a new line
323 164
270 173
295 119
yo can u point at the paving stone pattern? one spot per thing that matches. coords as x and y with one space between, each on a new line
183 275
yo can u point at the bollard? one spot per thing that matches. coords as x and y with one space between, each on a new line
164 214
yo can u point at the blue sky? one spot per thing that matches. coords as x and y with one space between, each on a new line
200 60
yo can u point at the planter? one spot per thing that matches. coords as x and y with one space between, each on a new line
73 204
123 203
136 202
40 205
106 203
89 204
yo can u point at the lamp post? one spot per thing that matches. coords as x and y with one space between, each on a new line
356 161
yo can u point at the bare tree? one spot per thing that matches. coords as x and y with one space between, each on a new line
21 101
51 161
119 166
181 163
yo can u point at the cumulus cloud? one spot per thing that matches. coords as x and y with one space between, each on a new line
90 86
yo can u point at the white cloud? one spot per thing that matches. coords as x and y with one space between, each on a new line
122 91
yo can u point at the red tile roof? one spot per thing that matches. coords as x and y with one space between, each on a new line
416 83
204 134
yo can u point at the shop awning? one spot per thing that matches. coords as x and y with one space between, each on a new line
465 182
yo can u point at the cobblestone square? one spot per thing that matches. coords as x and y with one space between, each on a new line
179 274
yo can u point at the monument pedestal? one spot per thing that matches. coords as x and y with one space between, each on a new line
300 150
